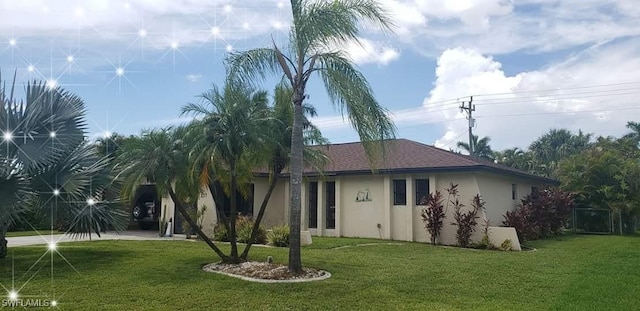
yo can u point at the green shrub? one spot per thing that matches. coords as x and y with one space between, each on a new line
220 233
244 225
506 245
279 236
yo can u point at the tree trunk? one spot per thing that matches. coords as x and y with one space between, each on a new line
234 216
3 243
258 219
192 223
296 167
213 187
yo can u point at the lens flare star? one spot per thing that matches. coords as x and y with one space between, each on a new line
7 136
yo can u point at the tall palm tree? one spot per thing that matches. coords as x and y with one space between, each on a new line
279 147
481 147
317 28
47 164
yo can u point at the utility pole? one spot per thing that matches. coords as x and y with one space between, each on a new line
470 109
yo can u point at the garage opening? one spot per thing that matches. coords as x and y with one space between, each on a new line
146 207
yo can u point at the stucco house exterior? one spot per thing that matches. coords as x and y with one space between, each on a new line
349 200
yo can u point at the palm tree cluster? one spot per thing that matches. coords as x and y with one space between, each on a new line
235 133
47 164
545 154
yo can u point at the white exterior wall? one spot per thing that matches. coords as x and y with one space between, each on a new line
378 217
274 214
210 216
361 219
467 188
496 191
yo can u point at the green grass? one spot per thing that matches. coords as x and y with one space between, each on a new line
31 233
570 273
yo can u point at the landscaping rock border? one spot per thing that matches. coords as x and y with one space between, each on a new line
309 275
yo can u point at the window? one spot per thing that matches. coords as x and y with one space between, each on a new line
313 204
534 189
399 192
514 191
422 191
331 205
244 205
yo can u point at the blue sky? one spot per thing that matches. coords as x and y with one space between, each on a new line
532 64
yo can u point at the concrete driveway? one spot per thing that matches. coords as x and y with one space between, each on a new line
61 238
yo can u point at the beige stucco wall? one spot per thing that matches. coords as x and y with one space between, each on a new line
361 219
168 210
496 191
210 216
497 235
468 188
379 218
274 214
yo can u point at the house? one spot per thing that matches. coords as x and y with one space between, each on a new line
350 200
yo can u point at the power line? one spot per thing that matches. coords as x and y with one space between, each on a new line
563 112
504 101
557 89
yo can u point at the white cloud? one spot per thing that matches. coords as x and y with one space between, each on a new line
187 22
503 26
369 51
595 90
194 77
562 96
432 26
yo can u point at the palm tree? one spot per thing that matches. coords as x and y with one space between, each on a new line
556 145
514 158
481 148
47 164
234 122
279 147
161 156
318 27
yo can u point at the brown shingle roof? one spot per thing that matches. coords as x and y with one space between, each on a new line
403 155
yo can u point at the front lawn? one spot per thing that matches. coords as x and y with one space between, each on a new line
571 273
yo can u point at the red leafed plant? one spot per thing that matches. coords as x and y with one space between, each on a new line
466 221
433 215
542 214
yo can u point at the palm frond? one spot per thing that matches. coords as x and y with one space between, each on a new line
350 92
250 67
332 23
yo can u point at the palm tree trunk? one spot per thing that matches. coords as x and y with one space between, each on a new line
258 220
295 260
234 215
3 242
213 187
193 224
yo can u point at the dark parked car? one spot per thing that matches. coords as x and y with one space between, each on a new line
146 215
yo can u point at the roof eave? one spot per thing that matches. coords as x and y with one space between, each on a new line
471 168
